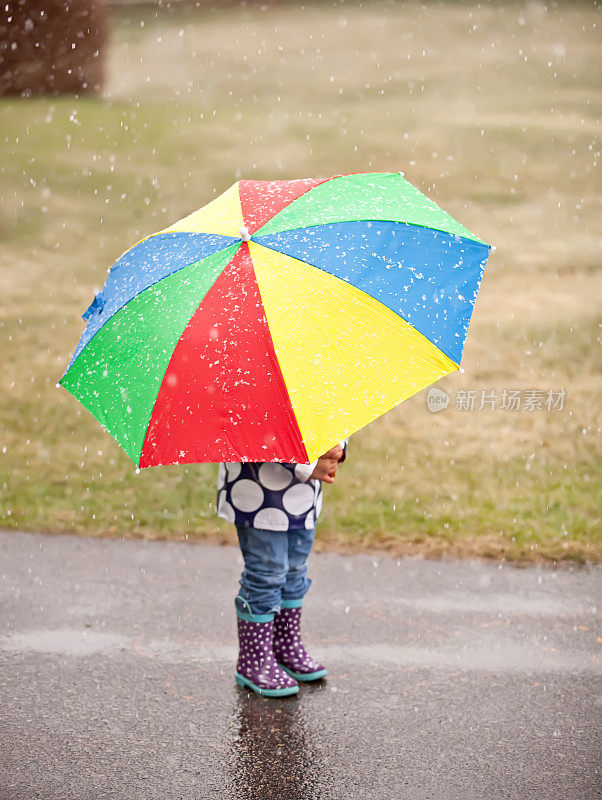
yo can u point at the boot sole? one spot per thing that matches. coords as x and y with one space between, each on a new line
305 677
242 681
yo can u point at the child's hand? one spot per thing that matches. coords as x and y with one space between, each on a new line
327 465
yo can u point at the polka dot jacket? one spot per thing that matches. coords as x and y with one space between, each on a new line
269 496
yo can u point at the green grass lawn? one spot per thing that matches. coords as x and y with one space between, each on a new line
497 123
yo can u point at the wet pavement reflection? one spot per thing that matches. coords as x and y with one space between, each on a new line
277 754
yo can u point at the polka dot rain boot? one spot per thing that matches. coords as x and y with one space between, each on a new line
288 647
256 667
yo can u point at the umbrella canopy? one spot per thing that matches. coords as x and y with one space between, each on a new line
277 320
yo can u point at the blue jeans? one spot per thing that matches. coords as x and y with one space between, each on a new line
275 567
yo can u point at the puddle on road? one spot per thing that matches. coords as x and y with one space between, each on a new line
504 656
467 603
64 642
480 655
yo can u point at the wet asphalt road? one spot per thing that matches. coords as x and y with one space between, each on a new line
447 680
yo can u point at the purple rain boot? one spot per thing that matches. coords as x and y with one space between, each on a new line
256 666
288 647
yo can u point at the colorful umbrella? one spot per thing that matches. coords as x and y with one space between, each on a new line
277 320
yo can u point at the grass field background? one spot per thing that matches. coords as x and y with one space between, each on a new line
491 111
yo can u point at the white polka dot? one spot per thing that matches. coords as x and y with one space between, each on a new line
233 470
272 519
319 504
310 521
298 499
224 509
221 477
246 495
274 476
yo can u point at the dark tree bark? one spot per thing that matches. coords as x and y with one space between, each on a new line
51 46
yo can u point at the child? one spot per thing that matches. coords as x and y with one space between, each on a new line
274 507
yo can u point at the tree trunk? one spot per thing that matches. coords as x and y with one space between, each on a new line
51 46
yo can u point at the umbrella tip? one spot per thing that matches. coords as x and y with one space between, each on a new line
244 234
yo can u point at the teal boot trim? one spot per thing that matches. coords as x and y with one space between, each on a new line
292 603
250 616
305 677
242 681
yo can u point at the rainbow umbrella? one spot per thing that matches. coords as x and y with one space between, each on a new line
277 320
